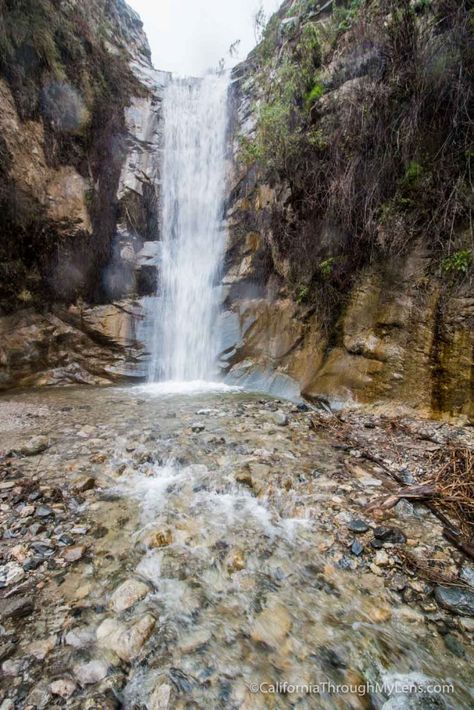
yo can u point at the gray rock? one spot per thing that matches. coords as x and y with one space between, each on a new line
91 672
125 641
467 574
456 599
357 525
453 645
16 608
34 446
128 594
64 687
356 548
391 535
11 573
279 418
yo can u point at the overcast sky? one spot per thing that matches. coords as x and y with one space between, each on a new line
190 36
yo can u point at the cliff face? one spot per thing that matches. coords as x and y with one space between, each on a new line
79 126
349 268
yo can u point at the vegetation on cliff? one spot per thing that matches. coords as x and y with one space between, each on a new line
364 110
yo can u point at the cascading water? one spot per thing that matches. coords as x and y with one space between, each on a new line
185 341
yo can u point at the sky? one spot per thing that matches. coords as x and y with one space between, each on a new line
190 36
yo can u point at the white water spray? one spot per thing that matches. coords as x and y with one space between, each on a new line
185 341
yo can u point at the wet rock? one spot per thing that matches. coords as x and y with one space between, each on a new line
64 688
456 599
91 672
16 608
85 484
40 696
160 697
453 645
356 525
73 554
236 562
80 637
125 641
244 477
127 594
158 538
44 511
279 418
467 574
391 535
195 640
380 615
11 573
34 446
40 649
272 626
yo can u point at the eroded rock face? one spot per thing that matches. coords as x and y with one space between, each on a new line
395 335
70 346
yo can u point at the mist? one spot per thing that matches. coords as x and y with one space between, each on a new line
189 37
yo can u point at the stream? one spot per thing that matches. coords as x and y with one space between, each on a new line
195 551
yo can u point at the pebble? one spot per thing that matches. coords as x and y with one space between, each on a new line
356 548
467 574
80 637
127 594
64 688
73 554
160 697
40 649
381 558
125 641
34 446
357 525
279 418
91 672
392 535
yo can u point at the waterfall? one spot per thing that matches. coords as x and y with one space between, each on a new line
185 338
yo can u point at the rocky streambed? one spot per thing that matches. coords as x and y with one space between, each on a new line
220 550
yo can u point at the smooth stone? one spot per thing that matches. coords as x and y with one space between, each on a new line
73 554
356 548
160 697
80 637
194 640
64 688
125 641
127 594
279 418
91 672
40 649
357 525
459 601
34 446
272 626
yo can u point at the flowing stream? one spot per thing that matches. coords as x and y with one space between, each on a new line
184 347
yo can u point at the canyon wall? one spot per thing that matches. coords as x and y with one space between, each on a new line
79 190
340 281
